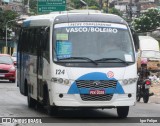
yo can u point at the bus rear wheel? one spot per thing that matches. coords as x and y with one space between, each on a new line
122 111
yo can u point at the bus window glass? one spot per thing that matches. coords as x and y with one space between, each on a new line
94 41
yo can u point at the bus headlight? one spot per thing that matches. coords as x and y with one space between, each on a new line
129 81
66 81
60 81
125 81
54 79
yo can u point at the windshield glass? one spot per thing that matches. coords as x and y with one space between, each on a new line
150 54
5 60
93 40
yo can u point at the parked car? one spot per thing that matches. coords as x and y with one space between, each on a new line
7 68
14 57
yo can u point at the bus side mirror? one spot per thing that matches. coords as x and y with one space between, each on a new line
135 39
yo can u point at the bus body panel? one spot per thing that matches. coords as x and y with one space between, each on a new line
72 93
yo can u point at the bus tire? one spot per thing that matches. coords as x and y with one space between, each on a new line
122 111
30 100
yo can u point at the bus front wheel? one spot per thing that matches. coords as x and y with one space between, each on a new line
122 111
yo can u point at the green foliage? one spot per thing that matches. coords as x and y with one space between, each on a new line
32 5
148 21
93 8
115 11
6 16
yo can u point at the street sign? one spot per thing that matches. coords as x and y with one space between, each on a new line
46 6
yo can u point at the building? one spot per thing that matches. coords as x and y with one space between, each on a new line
137 5
17 6
14 5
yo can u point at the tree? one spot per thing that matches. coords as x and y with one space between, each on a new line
6 16
149 21
115 11
32 6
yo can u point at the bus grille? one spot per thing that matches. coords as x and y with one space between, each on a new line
96 84
4 71
87 97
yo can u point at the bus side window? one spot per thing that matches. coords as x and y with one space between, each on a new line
23 41
36 41
20 40
27 41
32 41
45 44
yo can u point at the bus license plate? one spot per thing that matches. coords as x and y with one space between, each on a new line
97 92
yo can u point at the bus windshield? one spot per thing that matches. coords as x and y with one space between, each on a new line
92 40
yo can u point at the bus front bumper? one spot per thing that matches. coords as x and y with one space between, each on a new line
75 100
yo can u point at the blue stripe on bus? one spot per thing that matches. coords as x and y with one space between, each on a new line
26 23
95 76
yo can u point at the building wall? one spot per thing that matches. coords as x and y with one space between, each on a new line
14 5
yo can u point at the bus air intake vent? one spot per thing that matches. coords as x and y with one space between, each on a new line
87 97
96 84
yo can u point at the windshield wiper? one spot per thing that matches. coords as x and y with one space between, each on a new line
106 59
83 58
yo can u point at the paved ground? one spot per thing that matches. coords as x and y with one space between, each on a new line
155 88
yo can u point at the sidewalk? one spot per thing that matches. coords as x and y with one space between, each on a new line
155 88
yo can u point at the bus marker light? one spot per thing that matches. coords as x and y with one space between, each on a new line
66 81
54 80
125 81
60 80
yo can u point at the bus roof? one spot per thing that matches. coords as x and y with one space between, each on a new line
72 16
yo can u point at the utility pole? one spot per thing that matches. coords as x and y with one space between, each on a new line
100 4
138 5
130 10
106 5
27 7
